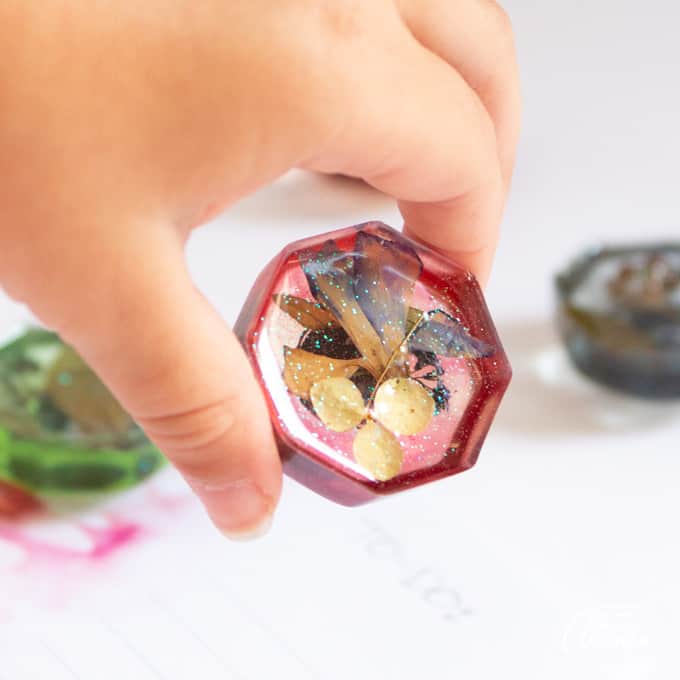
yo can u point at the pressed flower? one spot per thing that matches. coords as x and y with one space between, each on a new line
377 450
403 406
379 361
367 358
339 403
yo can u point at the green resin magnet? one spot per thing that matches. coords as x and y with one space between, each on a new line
63 436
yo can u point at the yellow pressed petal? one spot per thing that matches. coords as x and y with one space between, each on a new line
378 451
302 369
338 403
403 406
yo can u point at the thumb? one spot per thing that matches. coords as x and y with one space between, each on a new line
181 373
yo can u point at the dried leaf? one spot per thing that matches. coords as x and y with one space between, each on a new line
385 274
329 273
338 403
77 391
413 318
378 451
403 406
302 369
443 335
312 315
611 331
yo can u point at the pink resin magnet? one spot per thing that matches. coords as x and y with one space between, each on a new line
379 360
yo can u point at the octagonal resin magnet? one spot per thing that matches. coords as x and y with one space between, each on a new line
379 360
619 315
63 436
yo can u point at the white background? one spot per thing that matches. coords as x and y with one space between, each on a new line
556 557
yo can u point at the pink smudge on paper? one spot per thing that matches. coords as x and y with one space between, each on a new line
46 560
95 536
104 541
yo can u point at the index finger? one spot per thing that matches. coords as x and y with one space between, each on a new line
418 132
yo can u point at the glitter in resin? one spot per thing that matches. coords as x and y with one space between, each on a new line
379 360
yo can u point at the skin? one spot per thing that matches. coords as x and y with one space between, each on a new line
125 125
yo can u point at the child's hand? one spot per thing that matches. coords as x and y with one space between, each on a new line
125 125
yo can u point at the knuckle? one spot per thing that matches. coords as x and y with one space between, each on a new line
335 19
338 34
196 440
315 81
482 147
482 170
342 21
501 25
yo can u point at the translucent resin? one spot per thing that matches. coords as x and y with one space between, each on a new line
63 437
619 315
379 359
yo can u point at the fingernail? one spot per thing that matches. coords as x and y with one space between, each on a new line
249 535
245 513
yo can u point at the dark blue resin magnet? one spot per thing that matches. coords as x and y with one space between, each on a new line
619 316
